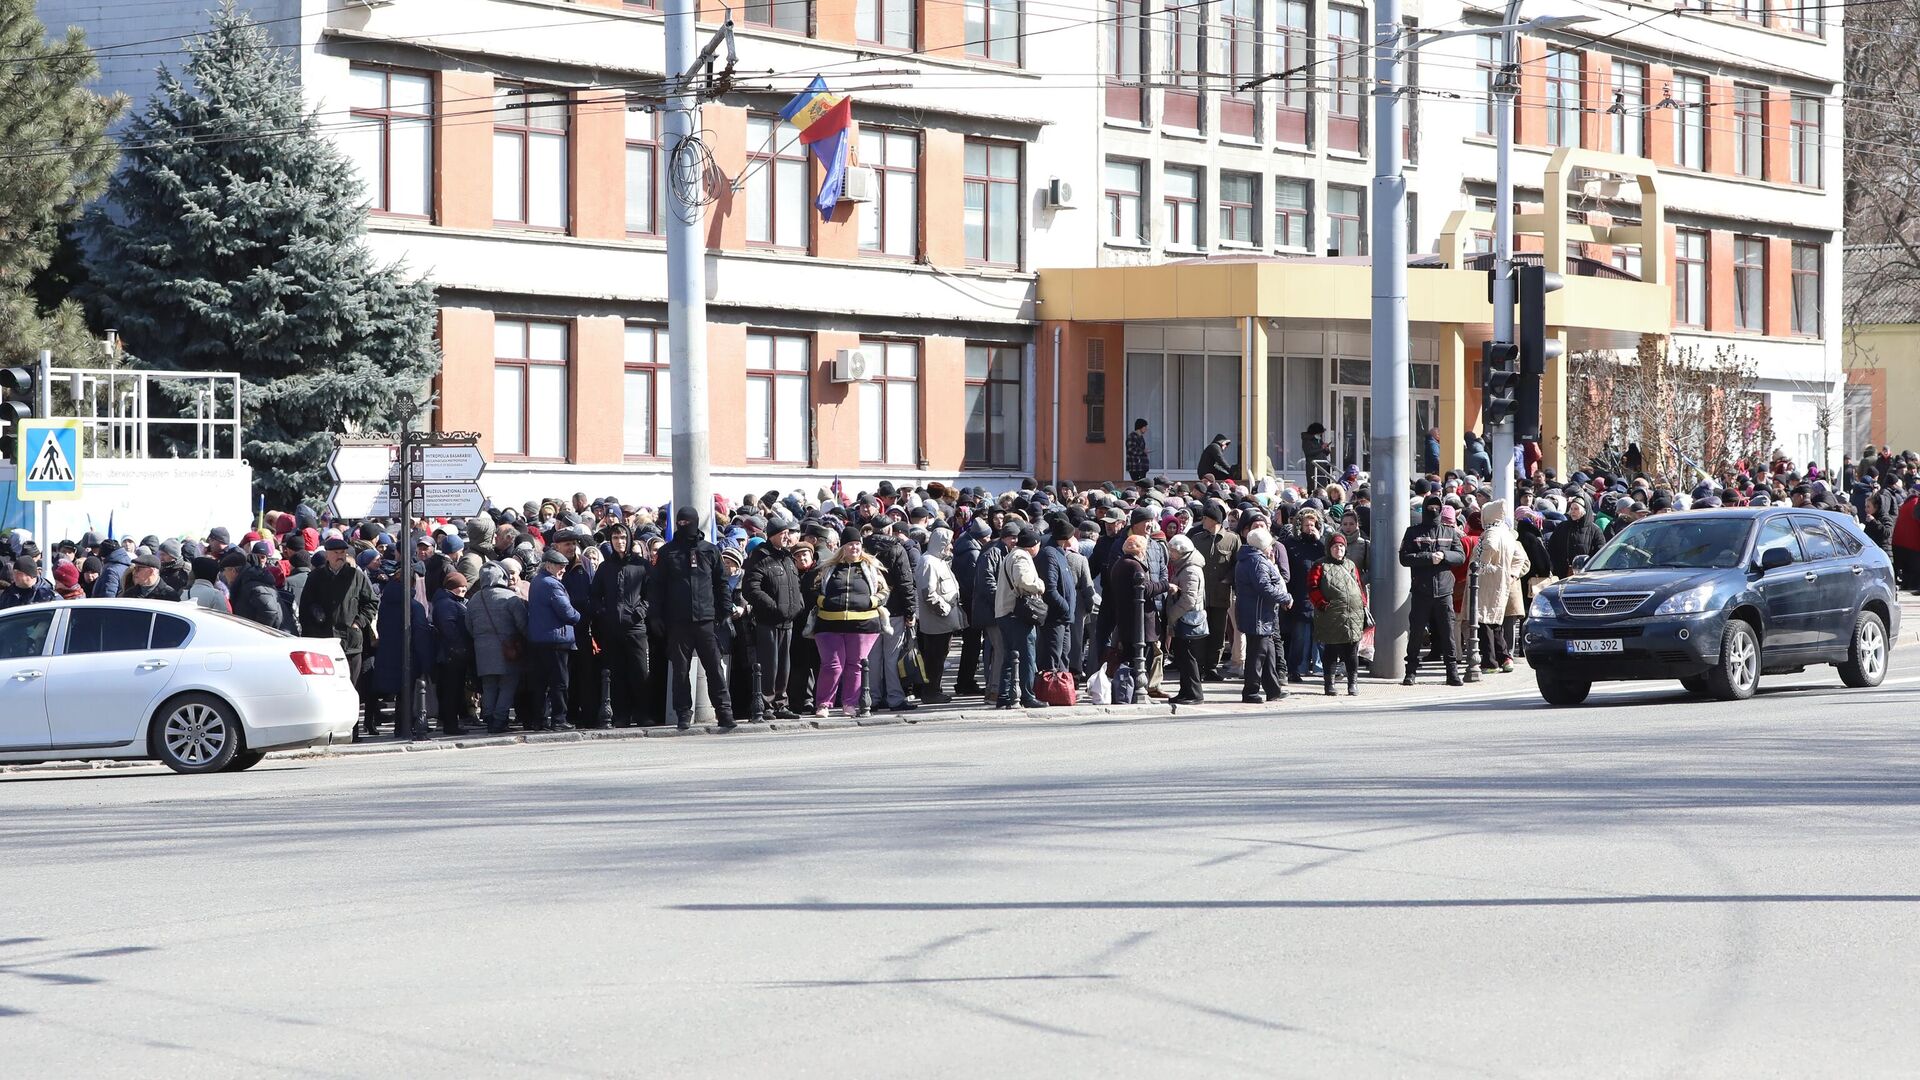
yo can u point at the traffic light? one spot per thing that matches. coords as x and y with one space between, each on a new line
16 400
1499 382
1536 348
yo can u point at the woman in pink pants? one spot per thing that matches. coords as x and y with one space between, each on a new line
848 618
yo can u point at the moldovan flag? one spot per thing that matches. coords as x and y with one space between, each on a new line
822 118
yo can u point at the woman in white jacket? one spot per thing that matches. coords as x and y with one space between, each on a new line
937 611
1500 563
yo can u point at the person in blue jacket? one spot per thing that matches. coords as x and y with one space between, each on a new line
452 654
551 618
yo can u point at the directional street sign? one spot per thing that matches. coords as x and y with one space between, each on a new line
367 480
49 457
363 463
447 464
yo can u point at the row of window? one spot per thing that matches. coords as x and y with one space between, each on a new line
1238 205
1631 103
992 27
391 142
1692 287
532 373
1225 53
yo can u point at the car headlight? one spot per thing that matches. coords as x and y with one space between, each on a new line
1690 602
1541 608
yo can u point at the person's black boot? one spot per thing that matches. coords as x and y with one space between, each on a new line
1453 674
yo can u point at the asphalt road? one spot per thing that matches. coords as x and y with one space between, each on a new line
1647 886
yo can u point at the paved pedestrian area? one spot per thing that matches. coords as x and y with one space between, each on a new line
1649 886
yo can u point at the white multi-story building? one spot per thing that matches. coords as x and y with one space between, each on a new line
511 160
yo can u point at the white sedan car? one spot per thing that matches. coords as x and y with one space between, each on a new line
199 690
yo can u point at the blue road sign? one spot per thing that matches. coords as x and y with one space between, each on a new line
49 459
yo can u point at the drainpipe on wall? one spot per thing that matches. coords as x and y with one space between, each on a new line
1056 408
1030 376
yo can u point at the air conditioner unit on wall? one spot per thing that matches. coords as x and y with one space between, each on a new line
1059 194
858 185
850 365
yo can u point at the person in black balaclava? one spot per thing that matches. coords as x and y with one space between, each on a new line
1431 549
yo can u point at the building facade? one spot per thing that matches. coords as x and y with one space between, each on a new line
511 157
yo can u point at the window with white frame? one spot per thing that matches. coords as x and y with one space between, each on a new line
530 386
1180 199
995 407
390 139
530 131
1126 219
890 224
1293 213
647 428
779 204
1346 220
779 415
1239 200
890 403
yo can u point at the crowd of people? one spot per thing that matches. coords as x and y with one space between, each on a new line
589 613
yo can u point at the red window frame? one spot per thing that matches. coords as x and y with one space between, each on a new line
991 387
655 367
384 117
503 121
1805 116
1336 230
989 181
878 207
772 376
1247 209
1346 126
524 364
882 380
981 45
1801 273
1174 204
1128 47
762 159
1240 28
1563 97
650 149
882 26
1685 269
762 13
1750 130
1186 61
1293 122
1750 284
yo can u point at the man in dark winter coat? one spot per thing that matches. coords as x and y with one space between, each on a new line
26 586
143 581
255 597
587 704
339 603
1218 547
986 586
551 619
1575 537
967 548
1431 550
1213 460
620 628
883 661
175 571
114 561
1056 573
770 584
688 594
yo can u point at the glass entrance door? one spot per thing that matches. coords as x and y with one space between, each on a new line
1352 429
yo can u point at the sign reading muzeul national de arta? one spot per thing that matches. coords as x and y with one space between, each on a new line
49 460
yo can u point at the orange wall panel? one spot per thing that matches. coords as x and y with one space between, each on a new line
836 414
1659 121
599 364
466 373
943 389
727 139
1720 281
463 150
599 151
1081 460
1596 93
727 393
943 30
833 20
1779 147
1779 286
1530 114
1719 121
942 192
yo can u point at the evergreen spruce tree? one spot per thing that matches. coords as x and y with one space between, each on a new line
235 242
55 157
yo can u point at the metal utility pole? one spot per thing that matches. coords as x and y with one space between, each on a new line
1500 437
43 408
682 179
1391 443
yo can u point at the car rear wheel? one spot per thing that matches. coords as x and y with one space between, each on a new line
1695 684
1562 691
1866 663
246 759
1738 673
195 733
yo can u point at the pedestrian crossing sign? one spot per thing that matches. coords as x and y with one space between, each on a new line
49 459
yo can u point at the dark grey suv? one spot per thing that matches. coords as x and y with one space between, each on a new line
1716 599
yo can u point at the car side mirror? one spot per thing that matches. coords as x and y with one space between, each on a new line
1579 563
1774 559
